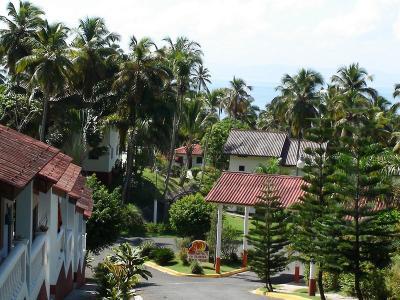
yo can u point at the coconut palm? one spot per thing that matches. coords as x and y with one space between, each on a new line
182 57
237 100
21 24
201 77
49 64
354 79
195 118
299 96
92 47
138 75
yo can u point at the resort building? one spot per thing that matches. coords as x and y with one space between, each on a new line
197 156
247 149
44 205
103 165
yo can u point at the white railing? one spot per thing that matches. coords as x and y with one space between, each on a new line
13 272
38 262
84 243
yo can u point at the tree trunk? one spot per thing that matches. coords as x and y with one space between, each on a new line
45 113
175 126
189 157
321 285
129 157
203 165
357 286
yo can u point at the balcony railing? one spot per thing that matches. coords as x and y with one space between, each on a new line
38 262
13 272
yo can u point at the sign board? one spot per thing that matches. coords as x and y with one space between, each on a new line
198 250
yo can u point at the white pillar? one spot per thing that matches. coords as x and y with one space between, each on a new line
245 233
312 286
245 227
219 234
155 211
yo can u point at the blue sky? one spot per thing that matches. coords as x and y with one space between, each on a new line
259 40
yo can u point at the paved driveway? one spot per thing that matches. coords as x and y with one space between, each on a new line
237 287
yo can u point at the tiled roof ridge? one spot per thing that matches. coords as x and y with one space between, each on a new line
263 174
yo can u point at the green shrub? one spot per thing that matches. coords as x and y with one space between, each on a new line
330 281
104 226
191 216
158 229
117 275
133 220
195 171
147 247
211 175
183 256
373 285
196 268
163 256
393 278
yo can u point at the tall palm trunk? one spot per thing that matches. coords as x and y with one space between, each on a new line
203 165
130 155
43 127
298 151
172 144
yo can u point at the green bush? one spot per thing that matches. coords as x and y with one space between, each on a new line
393 278
133 220
191 216
196 268
211 175
117 275
158 229
183 256
330 281
104 226
147 247
163 256
373 285
195 171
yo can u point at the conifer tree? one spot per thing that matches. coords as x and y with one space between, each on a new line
313 230
268 237
361 188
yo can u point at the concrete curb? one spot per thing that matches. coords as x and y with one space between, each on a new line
275 295
176 273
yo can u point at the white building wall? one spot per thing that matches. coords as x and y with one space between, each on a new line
106 162
250 163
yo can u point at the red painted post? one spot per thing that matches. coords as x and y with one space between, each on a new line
218 265
297 273
244 259
312 284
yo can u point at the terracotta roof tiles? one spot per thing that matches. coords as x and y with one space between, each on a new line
196 150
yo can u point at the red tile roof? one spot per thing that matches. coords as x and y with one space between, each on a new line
68 179
196 150
22 157
56 167
238 188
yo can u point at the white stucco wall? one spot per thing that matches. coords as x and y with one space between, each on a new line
250 163
106 162
194 160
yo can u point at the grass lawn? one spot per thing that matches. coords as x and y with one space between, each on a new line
300 292
208 268
236 222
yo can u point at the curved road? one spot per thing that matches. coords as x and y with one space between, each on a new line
237 287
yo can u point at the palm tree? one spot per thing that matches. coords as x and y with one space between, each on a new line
238 98
353 79
22 24
201 77
214 101
138 75
92 47
299 97
194 120
182 57
49 63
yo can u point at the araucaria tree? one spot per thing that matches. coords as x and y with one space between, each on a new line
362 189
269 237
313 231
